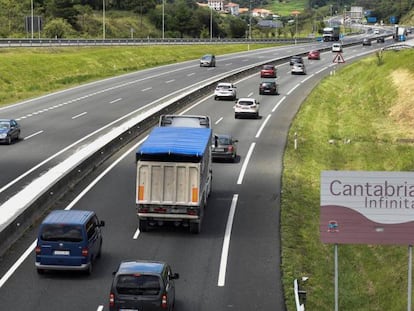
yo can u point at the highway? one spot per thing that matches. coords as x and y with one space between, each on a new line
234 263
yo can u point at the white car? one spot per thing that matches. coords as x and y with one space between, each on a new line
225 90
298 68
246 106
336 47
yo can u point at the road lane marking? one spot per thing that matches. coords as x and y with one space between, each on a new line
146 89
79 115
292 89
100 308
115 100
218 121
319 71
262 126
307 78
226 242
169 81
32 135
278 103
245 163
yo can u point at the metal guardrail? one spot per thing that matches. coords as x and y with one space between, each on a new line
45 42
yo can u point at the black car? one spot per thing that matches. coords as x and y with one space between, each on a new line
143 285
224 147
380 40
366 41
295 59
268 87
9 131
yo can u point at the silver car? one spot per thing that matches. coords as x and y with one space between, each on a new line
298 68
225 90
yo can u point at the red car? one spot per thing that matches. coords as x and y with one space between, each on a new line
268 71
314 55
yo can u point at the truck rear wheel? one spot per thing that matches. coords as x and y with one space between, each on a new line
143 225
195 227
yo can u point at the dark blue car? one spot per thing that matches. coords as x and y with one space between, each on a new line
9 131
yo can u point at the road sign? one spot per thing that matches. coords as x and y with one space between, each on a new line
338 58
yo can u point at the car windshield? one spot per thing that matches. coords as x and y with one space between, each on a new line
67 233
4 125
267 84
224 141
206 57
268 67
223 86
245 103
138 284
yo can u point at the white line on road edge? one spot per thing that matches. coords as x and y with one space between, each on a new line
19 261
218 121
278 103
307 78
262 126
245 163
100 308
226 242
292 89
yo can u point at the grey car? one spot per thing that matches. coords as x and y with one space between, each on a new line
143 285
208 60
224 147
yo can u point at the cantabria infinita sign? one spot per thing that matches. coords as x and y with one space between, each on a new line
360 207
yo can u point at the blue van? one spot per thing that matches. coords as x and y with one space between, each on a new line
69 240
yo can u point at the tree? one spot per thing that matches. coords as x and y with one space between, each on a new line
58 28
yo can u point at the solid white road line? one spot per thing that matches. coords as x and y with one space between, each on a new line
32 135
278 103
226 242
79 115
245 163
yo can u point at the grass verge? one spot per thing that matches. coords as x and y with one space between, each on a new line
353 120
27 73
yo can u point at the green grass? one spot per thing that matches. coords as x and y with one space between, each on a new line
285 8
372 114
27 73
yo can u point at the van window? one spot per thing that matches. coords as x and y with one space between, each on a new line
91 226
68 233
138 284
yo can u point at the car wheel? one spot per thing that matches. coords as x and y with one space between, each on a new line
90 268
40 271
8 140
143 225
257 115
236 116
99 251
215 97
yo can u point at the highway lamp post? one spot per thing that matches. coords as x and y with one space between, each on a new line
31 18
250 19
103 19
163 19
296 13
211 24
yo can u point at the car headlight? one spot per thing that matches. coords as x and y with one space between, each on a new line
3 135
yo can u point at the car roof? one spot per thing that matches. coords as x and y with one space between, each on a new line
250 99
5 120
223 135
73 217
141 266
224 83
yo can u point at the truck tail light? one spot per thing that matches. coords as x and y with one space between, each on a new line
140 193
191 211
194 194
164 304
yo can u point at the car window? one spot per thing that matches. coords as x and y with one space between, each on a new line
224 141
4 125
268 67
245 103
138 284
67 233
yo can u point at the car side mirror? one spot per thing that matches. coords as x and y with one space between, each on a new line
102 223
236 141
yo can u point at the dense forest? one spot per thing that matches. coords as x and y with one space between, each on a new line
181 18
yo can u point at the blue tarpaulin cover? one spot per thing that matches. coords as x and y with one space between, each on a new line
186 141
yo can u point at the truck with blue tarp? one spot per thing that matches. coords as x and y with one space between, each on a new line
174 177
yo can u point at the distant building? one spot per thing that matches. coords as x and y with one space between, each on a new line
217 5
262 13
232 8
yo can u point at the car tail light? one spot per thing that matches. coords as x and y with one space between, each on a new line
111 300
230 148
38 250
191 212
164 304
85 252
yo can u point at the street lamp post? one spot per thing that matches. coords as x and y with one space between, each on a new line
163 19
296 13
31 21
211 24
250 19
103 19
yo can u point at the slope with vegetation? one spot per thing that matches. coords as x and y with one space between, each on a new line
349 122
